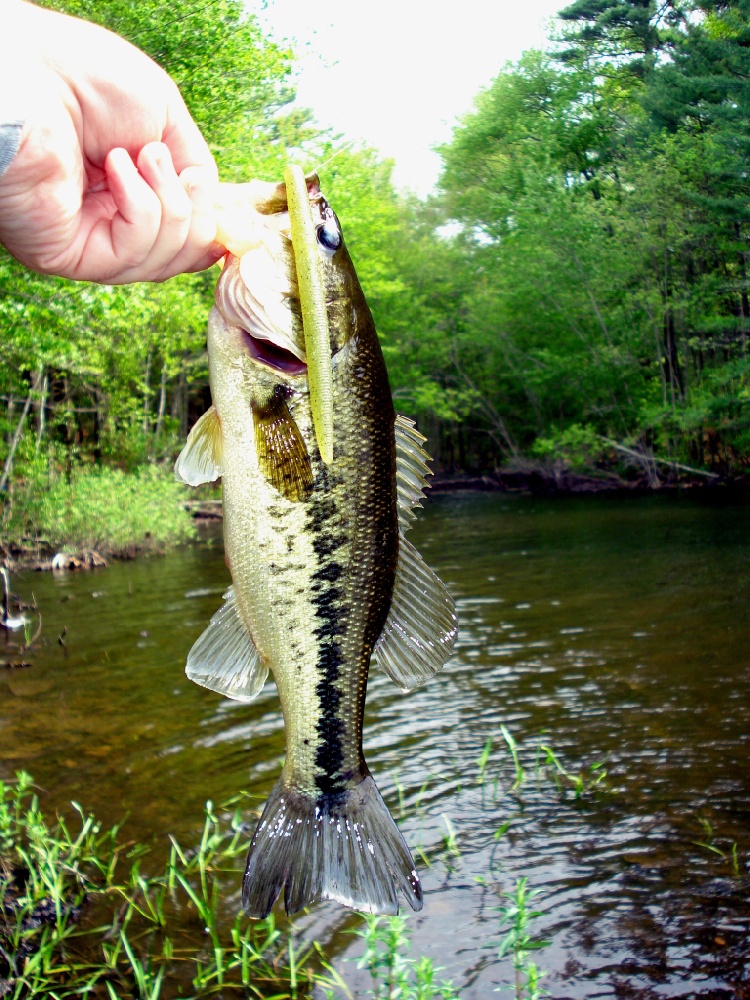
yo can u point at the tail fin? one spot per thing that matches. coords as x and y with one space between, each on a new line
344 847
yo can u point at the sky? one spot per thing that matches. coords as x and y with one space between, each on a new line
397 73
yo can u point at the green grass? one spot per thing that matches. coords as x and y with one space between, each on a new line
80 916
393 973
101 509
83 912
518 916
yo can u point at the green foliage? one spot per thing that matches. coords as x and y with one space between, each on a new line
603 202
78 912
234 80
578 446
581 275
115 376
619 33
519 942
105 510
84 910
394 974
547 763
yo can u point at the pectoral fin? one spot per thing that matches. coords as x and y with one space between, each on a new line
225 659
411 470
421 627
200 460
282 455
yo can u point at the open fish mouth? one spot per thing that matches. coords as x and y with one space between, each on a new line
257 297
279 359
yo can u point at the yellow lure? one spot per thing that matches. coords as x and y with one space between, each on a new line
314 313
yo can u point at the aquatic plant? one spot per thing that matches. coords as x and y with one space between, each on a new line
79 915
519 942
708 844
77 912
483 761
513 747
393 973
580 783
547 761
83 911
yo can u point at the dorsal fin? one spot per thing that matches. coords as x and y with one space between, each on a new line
412 470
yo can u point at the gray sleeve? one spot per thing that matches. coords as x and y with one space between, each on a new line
10 139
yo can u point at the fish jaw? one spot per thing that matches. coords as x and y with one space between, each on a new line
240 209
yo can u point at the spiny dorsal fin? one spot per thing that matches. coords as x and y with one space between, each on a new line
411 470
200 459
421 627
224 658
282 455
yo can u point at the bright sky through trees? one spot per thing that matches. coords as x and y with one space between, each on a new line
397 73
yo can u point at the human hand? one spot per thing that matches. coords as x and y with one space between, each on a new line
112 181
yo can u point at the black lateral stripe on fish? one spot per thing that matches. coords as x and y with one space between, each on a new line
322 587
329 627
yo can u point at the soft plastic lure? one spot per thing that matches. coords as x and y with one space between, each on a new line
314 313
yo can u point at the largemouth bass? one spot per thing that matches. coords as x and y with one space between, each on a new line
324 578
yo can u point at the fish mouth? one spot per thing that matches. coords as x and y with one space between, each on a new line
279 359
260 306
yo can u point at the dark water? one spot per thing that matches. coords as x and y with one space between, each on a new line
606 629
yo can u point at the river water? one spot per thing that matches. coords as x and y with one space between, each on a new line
615 632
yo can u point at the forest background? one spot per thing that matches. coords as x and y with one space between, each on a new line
573 298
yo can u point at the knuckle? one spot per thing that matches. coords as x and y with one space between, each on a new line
178 212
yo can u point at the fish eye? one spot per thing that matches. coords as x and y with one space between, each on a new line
329 236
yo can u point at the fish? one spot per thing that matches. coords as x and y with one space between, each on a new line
325 581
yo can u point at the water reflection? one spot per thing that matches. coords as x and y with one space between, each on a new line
608 630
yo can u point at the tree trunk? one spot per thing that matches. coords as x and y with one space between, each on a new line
676 385
15 441
178 409
162 404
147 396
40 385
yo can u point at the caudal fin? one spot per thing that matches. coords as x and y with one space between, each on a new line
344 847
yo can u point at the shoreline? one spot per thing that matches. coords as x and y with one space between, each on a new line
541 481
533 482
